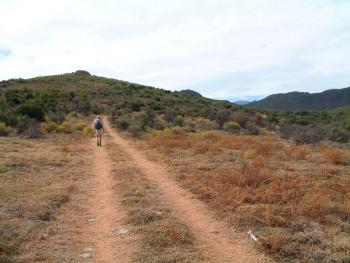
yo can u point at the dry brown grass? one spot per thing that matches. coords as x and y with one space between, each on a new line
40 179
334 156
297 152
296 198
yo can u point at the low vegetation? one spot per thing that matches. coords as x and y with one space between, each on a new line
295 198
139 109
38 180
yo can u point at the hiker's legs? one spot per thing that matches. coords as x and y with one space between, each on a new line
100 138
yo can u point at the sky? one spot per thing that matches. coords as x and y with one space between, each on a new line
224 49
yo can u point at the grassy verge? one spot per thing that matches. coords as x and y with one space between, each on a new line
294 198
163 237
39 183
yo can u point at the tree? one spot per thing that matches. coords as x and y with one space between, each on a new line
221 117
169 115
32 111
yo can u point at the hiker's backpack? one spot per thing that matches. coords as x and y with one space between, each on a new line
98 124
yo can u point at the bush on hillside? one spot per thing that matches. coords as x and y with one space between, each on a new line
49 126
81 125
123 123
169 115
88 131
57 117
241 118
23 122
335 133
33 130
232 126
136 105
314 134
179 121
221 117
252 129
32 111
300 134
65 127
4 130
136 129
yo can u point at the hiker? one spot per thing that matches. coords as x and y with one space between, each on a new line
98 129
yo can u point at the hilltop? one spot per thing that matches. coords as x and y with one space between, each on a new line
304 101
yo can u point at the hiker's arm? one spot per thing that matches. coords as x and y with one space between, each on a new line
94 128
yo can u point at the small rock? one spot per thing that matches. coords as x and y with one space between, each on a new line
122 231
90 220
85 255
159 213
88 249
214 231
252 236
345 227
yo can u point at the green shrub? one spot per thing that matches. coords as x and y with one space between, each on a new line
123 123
23 122
300 134
33 131
221 117
232 126
179 121
32 111
81 125
136 105
252 129
57 117
65 128
169 115
4 130
136 129
88 131
49 126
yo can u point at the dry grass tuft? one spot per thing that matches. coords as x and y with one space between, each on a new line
334 156
297 152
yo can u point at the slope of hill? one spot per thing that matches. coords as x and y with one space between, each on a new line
25 103
304 101
53 97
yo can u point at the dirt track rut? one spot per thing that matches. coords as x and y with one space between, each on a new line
211 235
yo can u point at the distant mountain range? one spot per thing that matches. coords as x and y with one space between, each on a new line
241 102
299 101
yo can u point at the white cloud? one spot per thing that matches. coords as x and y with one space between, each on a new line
178 44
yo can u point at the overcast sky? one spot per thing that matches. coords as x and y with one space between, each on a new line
221 48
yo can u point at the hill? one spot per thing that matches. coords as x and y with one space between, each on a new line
27 104
134 106
304 101
191 92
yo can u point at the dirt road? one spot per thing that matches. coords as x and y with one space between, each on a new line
214 241
105 217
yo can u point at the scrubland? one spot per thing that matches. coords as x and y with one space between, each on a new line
295 198
40 185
